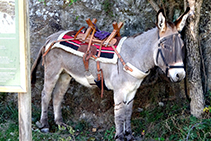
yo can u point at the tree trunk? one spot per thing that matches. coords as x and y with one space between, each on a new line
194 60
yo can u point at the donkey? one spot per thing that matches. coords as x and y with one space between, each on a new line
160 46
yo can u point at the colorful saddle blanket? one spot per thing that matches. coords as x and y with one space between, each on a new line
107 53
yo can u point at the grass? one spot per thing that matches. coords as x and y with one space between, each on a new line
172 122
109 134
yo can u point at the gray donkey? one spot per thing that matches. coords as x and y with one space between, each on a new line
160 46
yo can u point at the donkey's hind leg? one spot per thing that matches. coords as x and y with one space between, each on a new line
58 94
51 78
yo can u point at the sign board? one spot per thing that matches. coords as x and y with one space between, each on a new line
12 46
15 59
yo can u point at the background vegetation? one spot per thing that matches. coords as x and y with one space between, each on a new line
170 121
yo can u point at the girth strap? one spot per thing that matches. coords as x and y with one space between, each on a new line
100 77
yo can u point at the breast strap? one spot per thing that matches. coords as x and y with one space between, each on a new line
136 72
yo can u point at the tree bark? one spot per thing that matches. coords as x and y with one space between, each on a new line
193 60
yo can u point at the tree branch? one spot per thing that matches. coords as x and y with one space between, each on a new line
154 5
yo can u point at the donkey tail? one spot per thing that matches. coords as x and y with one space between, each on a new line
35 65
49 39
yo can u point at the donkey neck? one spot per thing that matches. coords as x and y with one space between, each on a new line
140 50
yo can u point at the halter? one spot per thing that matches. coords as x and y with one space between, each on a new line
161 53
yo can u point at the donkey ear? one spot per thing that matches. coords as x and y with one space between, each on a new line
161 20
180 22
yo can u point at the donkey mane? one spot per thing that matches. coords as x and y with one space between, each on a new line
171 24
140 33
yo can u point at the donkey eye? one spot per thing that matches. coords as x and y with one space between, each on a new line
167 47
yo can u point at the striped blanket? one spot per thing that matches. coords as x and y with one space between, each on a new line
107 53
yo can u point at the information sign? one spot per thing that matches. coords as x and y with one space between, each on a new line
12 47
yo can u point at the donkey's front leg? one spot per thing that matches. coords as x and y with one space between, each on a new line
58 94
128 131
122 112
119 117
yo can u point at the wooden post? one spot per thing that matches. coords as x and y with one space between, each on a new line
24 115
24 98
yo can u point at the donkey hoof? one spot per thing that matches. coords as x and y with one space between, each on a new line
42 127
45 130
119 137
129 136
39 125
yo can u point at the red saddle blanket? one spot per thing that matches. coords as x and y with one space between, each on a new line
106 52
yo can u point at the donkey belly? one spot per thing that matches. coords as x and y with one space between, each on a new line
82 80
73 65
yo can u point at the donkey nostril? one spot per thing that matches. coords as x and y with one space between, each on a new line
177 75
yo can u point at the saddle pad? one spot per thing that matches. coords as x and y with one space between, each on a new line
107 53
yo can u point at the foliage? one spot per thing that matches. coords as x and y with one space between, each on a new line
3 96
107 4
9 131
9 111
70 130
44 1
69 2
170 122
177 124
109 134
207 97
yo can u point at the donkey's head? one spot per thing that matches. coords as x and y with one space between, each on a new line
169 56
